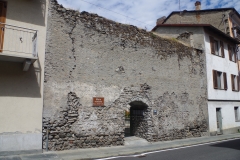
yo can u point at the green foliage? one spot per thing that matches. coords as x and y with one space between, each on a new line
127 114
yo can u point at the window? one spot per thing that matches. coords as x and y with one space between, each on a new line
235 82
232 53
236 111
217 47
219 80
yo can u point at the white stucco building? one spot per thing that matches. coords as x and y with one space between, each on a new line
22 53
222 71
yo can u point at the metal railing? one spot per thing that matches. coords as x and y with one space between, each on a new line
18 40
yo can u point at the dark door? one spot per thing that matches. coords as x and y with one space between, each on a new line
3 11
136 118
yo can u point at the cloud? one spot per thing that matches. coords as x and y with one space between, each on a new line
142 13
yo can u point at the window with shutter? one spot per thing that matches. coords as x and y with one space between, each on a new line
225 80
217 47
232 78
212 45
230 52
234 54
219 80
215 85
237 83
222 49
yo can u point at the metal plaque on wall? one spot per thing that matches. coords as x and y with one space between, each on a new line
98 101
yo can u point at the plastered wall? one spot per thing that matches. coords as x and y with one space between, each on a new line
21 93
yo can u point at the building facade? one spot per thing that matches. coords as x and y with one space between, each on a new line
221 68
226 20
97 69
22 54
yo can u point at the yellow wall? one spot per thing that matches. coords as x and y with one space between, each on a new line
21 93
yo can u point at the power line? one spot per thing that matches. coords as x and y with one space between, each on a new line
116 12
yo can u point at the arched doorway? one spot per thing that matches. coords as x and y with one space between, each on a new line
136 120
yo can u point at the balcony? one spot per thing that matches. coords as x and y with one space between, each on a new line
18 44
236 32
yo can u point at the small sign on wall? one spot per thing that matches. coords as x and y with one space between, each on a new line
98 101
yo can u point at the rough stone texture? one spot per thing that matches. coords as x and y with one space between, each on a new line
89 56
190 36
219 19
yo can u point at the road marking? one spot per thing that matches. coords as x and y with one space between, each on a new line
164 150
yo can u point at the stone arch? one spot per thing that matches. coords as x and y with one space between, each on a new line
126 104
139 118
141 99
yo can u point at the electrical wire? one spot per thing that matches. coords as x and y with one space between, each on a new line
117 13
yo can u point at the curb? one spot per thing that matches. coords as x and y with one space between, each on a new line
127 151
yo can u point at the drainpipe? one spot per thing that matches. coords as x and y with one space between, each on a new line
47 138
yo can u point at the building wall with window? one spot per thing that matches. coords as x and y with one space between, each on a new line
235 32
230 124
89 56
221 64
221 68
21 92
217 18
223 84
225 19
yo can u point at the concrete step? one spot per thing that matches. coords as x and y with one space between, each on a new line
135 141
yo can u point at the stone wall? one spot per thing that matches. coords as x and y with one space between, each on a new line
139 123
89 56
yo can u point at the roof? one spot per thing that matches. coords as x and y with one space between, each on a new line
207 26
204 10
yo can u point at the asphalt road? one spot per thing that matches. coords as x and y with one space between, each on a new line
228 150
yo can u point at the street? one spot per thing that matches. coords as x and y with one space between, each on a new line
227 150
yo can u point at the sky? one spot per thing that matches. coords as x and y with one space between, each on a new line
142 13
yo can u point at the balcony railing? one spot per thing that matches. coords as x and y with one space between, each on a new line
19 41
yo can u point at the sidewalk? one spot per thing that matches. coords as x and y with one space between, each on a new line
133 145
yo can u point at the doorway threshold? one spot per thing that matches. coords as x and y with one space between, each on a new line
135 141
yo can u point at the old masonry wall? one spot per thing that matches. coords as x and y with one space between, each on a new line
90 56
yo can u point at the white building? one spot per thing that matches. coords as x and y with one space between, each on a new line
222 71
234 20
22 53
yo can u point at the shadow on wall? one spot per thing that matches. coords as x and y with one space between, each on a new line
234 144
14 82
29 11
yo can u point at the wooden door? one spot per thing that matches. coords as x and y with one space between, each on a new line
3 11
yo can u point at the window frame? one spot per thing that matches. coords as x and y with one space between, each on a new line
217 47
222 80
235 83
232 53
